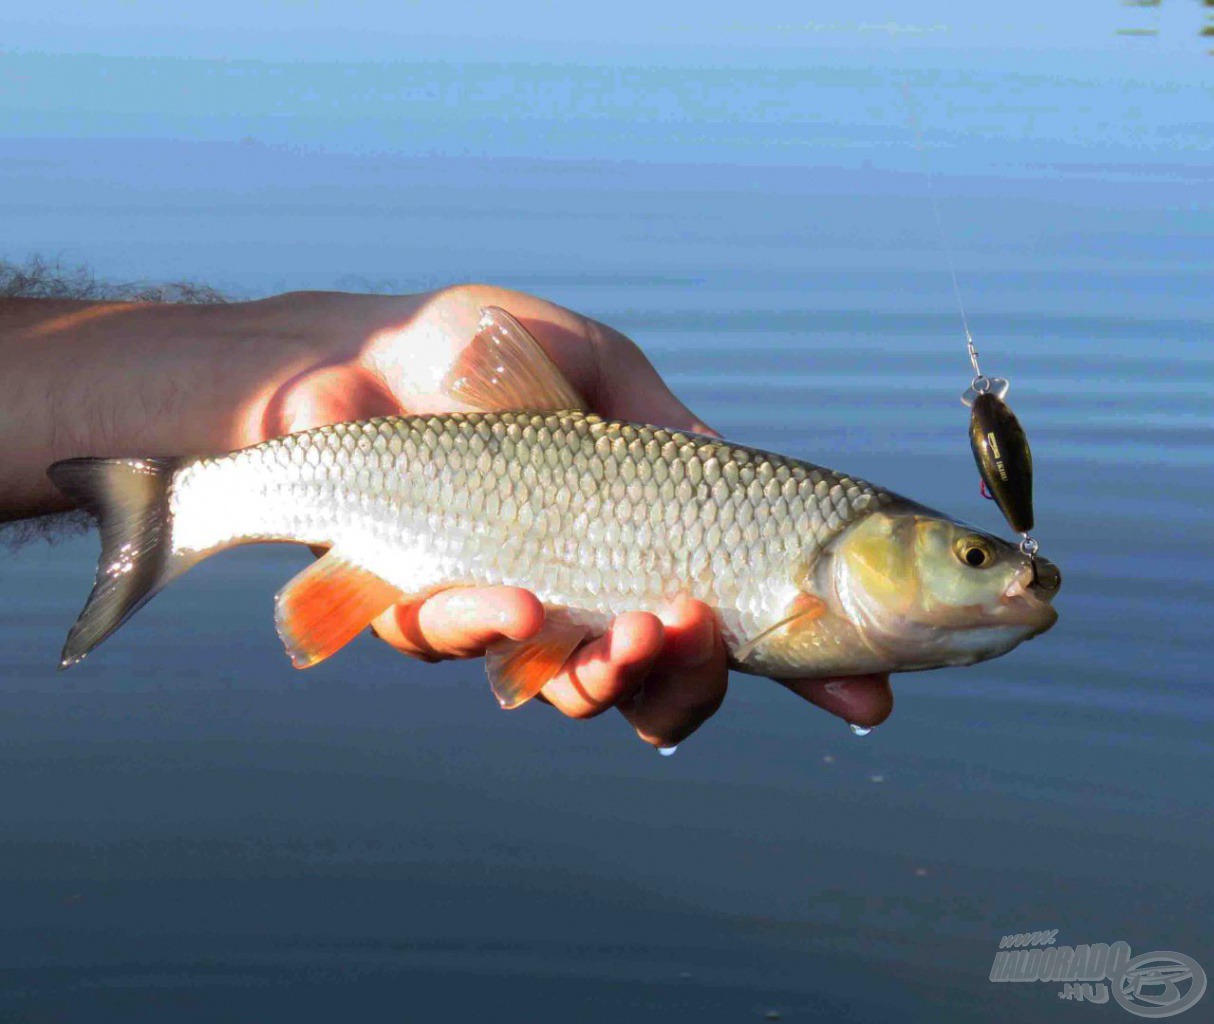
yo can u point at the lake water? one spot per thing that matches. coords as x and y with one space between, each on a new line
192 831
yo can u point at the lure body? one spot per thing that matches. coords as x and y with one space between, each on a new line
1001 450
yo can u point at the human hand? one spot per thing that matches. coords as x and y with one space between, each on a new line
140 378
666 672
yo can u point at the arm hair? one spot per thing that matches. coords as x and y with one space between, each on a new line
42 278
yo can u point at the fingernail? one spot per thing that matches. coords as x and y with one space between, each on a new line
860 730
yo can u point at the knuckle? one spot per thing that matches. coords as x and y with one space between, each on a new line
473 293
584 712
461 292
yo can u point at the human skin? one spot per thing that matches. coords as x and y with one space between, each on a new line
90 378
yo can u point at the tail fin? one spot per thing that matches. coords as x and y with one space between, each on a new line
129 498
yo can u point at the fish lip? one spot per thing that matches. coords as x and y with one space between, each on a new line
1018 588
1026 584
1024 604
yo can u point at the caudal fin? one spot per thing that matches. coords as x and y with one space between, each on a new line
129 498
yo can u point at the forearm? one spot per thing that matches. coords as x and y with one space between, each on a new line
88 378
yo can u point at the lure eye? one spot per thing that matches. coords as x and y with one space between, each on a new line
975 552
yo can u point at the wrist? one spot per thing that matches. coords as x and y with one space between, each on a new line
175 379
113 379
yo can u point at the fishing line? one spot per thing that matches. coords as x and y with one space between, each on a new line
998 442
925 167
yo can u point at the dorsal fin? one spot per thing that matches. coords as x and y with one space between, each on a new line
503 369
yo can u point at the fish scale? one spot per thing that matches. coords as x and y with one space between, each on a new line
594 516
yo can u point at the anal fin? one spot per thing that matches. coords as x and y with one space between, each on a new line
327 605
519 669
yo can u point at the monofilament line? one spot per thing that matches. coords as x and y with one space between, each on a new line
913 115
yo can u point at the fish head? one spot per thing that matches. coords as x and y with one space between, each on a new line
927 591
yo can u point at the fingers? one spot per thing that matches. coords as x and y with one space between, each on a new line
461 622
666 673
859 700
609 669
688 680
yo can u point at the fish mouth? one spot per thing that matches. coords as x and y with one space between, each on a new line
1026 602
1046 577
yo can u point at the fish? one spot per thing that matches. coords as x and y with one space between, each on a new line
811 573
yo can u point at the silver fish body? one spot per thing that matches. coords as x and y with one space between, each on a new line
595 517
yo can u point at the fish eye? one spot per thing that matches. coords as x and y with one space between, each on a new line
975 552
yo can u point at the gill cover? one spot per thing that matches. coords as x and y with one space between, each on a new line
878 559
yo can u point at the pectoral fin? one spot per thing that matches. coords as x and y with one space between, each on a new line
327 605
519 669
503 369
805 608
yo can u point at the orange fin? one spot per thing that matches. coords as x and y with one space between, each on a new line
503 369
326 606
804 608
519 669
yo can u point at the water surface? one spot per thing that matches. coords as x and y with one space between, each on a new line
194 831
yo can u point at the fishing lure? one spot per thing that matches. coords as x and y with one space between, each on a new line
1005 461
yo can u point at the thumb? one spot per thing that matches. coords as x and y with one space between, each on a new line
629 388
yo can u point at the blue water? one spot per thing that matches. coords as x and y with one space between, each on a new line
191 831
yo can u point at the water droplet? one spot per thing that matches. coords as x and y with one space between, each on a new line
772 1015
667 751
920 872
860 730
828 758
876 778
